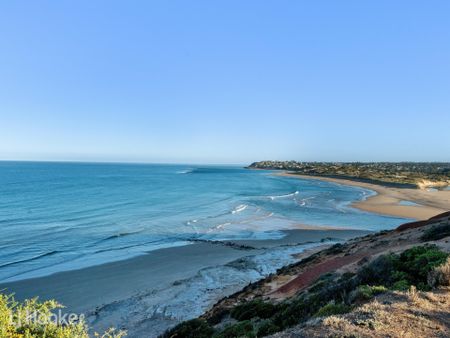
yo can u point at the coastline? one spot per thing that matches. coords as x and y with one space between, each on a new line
149 293
152 292
387 200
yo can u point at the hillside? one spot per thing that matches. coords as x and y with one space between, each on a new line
371 286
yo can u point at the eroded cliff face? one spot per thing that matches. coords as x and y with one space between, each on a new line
425 184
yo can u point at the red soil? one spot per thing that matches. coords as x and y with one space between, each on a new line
308 276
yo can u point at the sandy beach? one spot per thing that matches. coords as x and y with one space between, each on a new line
394 201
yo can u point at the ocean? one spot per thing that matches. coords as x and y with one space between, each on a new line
63 216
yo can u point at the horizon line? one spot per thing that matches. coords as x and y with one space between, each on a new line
198 164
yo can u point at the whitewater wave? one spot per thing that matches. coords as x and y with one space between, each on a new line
187 171
239 208
304 201
284 196
221 226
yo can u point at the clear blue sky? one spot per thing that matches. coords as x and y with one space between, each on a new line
225 81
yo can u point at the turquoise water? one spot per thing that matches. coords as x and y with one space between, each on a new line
60 216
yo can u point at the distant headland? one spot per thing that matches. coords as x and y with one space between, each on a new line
421 175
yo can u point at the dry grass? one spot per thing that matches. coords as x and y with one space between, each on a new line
393 314
440 276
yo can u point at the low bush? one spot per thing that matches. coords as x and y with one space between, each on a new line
254 308
401 271
241 329
335 249
418 261
379 271
436 232
266 328
332 309
366 292
323 282
194 328
401 285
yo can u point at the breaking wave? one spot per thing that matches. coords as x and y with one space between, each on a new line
284 196
239 208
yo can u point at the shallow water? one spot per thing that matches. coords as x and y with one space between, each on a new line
61 216
408 203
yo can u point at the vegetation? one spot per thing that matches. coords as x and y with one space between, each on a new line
404 173
195 328
331 294
401 271
332 309
366 292
34 319
254 308
436 232
240 329
440 275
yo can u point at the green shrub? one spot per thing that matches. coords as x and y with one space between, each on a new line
323 282
436 232
401 285
346 276
366 292
241 329
266 328
418 261
195 328
17 320
379 271
252 309
378 289
292 313
332 309
400 271
335 249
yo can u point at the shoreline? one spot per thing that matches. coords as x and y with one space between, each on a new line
387 200
159 286
148 293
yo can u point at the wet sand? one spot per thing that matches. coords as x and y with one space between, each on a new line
388 200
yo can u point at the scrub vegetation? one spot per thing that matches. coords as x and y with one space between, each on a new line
419 268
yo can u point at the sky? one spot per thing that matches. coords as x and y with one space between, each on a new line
225 81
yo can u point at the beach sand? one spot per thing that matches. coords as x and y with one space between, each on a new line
388 200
